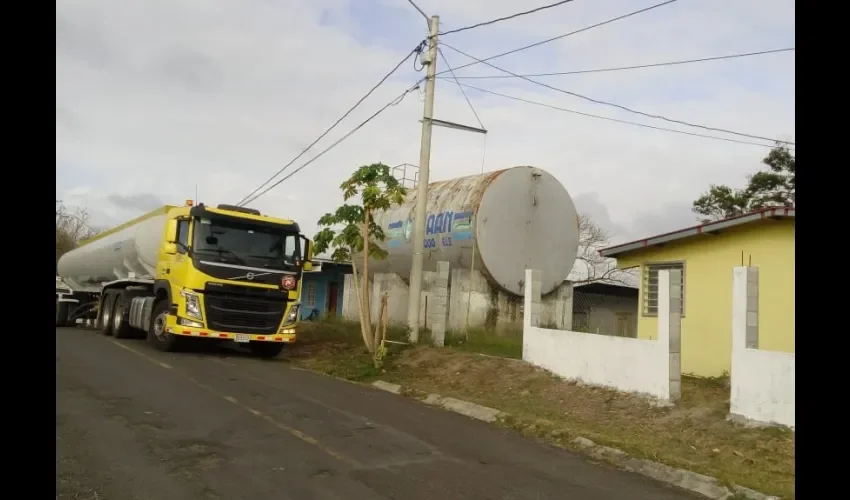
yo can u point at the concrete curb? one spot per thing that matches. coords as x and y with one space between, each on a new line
386 386
706 486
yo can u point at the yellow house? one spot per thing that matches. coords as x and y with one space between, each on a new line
706 254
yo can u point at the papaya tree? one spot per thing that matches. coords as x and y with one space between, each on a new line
350 233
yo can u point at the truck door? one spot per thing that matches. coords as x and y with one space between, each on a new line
174 266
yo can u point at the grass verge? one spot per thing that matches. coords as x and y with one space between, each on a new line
506 344
693 435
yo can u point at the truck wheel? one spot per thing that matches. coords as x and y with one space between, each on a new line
106 314
265 349
62 311
157 336
121 328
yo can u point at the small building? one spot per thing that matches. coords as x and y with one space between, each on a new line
706 255
322 292
605 308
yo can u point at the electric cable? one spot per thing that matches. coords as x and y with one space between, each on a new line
623 68
374 115
478 118
416 50
411 2
582 30
626 122
614 105
505 18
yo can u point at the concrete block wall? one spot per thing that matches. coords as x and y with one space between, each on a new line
557 308
763 382
468 299
438 310
648 367
350 306
396 290
475 302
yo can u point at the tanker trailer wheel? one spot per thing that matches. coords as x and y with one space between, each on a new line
157 336
107 306
121 328
265 349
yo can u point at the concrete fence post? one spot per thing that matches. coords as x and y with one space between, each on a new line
532 288
745 308
752 307
565 306
670 325
438 309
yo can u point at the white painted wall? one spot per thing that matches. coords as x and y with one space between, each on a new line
763 382
625 364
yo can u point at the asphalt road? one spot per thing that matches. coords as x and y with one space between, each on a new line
134 423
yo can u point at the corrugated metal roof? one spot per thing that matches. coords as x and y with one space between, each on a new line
707 228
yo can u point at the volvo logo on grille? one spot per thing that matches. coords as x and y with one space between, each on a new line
249 276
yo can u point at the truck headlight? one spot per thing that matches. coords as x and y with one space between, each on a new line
193 304
292 315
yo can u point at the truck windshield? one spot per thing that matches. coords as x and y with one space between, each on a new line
245 244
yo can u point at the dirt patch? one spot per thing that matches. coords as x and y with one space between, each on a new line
693 435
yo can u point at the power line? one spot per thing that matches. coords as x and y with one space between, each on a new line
512 16
641 66
626 122
480 123
374 115
618 106
586 28
416 50
411 2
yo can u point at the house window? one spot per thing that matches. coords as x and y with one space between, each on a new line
650 286
309 295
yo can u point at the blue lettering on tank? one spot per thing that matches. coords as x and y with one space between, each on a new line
441 230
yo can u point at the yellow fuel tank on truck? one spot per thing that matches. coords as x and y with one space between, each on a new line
191 272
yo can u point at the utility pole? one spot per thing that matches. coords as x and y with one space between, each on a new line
422 187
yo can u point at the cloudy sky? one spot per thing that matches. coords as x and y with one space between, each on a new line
154 97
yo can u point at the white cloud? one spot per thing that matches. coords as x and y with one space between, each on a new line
155 97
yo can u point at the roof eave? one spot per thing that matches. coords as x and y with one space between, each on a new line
710 228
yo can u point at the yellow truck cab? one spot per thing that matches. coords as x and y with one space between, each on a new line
191 273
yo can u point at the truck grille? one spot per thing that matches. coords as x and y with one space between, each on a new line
244 310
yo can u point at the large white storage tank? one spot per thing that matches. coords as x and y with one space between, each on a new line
515 219
130 249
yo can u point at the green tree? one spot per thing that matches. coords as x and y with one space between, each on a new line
351 231
771 187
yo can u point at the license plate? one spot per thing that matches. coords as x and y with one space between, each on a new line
242 338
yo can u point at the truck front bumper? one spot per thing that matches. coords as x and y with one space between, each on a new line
286 335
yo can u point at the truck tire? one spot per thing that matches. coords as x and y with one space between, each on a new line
121 328
98 320
265 350
157 337
105 315
63 309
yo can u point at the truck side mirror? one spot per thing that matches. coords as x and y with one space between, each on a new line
170 248
307 247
